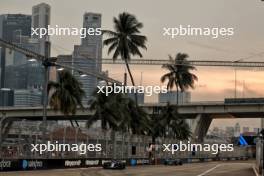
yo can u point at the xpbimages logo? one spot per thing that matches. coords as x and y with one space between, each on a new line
213 32
57 147
147 90
82 32
182 147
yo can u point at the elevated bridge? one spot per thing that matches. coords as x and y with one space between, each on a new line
202 113
218 109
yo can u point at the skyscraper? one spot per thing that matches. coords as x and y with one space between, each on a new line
17 73
25 76
12 27
88 55
93 20
41 19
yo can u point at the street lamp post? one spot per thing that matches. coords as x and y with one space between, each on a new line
45 94
48 62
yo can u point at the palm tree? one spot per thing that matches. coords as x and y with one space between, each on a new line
109 110
168 124
179 129
126 40
179 74
174 125
118 113
66 93
137 120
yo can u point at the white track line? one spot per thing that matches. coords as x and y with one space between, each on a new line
209 170
255 171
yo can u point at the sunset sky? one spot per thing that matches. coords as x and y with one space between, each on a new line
246 17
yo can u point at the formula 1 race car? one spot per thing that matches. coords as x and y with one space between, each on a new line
172 162
114 164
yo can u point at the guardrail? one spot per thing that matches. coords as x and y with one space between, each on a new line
17 156
127 146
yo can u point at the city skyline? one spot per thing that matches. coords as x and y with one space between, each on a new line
212 81
131 87
220 82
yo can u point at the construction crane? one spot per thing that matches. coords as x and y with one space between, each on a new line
51 61
206 63
48 62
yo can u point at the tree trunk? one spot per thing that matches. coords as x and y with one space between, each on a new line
177 101
123 144
132 80
105 155
153 150
5 127
128 145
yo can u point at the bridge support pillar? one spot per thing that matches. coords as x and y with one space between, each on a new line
262 123
200 126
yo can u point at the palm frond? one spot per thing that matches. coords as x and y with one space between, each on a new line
180 74
68 93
